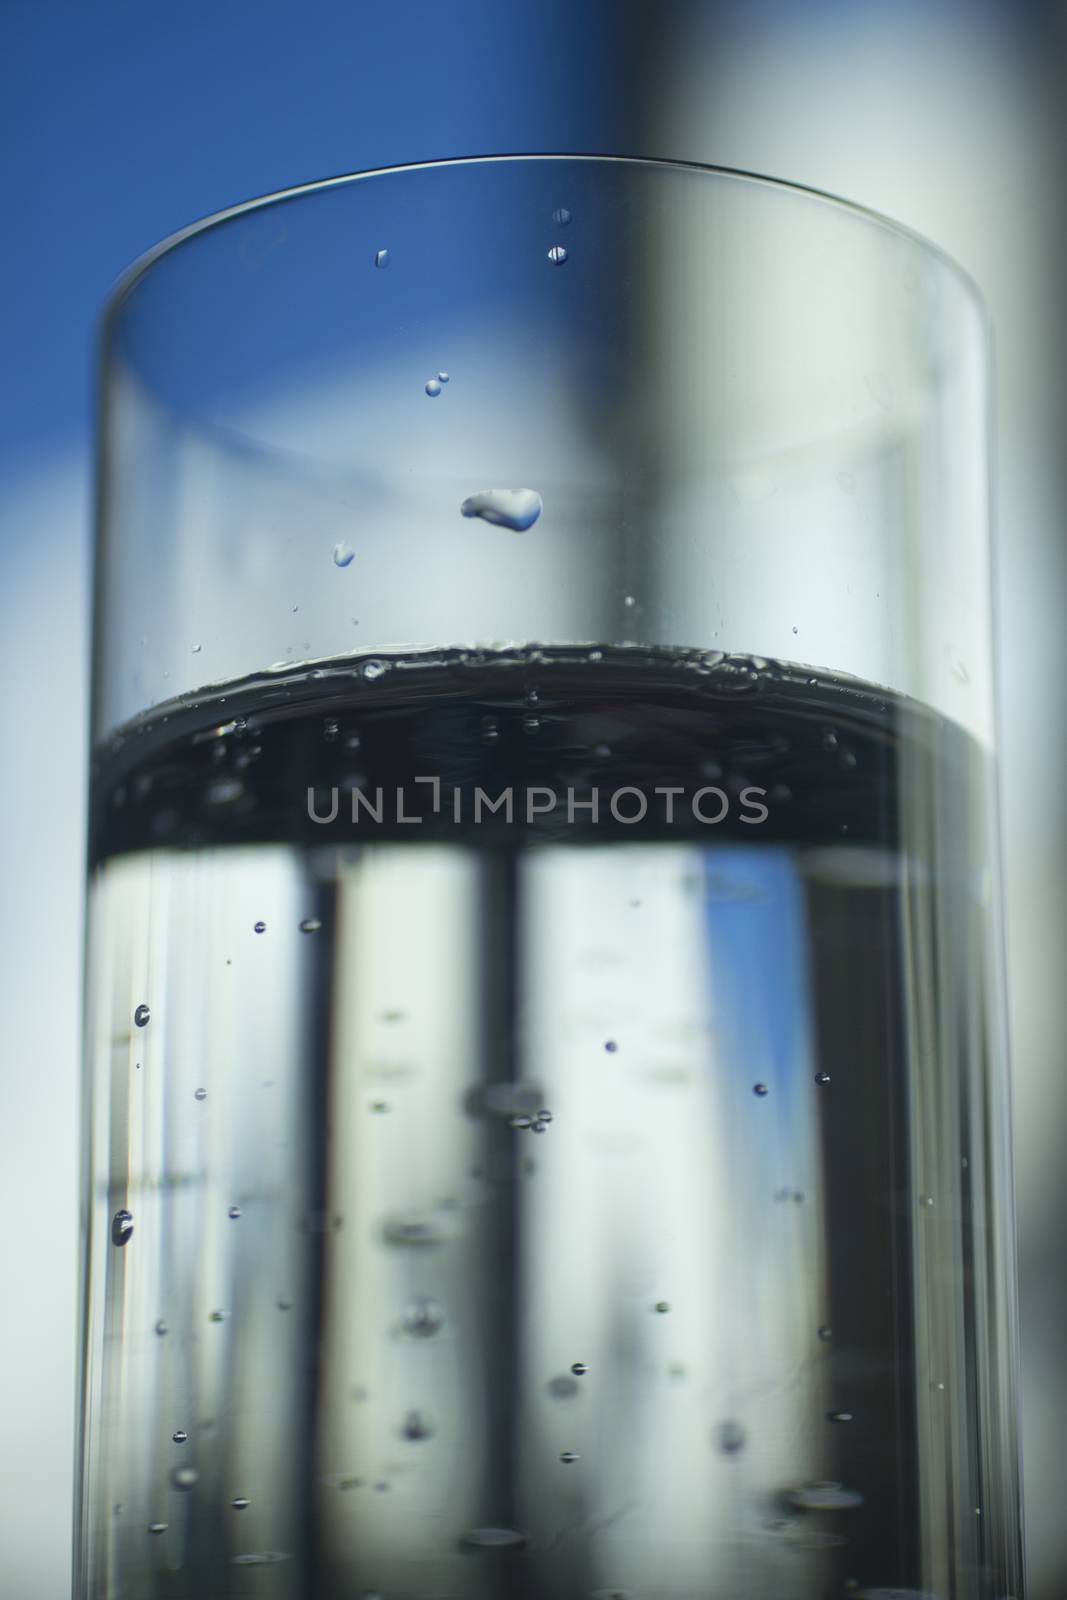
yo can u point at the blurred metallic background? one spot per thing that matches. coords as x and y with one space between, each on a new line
121 122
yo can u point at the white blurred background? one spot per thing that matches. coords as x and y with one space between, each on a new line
120 123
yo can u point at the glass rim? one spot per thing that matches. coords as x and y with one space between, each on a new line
131 276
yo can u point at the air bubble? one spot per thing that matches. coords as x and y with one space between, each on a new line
557 255
310 925
569 1457
760 1090
517 509
121 1228
433 387
423 1318
343 554
442 377
161 1328
826 1333
611 1045
259 927
233 1213
157 1527
822 1078
199 1094
179 1436
381 258
141 1017
239 1503
663 1306
217 1316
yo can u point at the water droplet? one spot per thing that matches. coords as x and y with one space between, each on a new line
379 1107
433 387
663 1306
161 1327
179 1436
381 258
259 927
822 1077
217 1316
839 1416
423 1318
343 554
730 1438
926 1199
413 1230
310 925
629 601
494 1538
284 1302
490 730
157 1527
531 724
561 216
760 1089
544 1116
568 1457
417 1426
184 1477
260 1558
579 1369
141 1017
233 1213
539 1127
557 255
199 1094
442 377
521 1122
121 1228
371 671
196 649
829 739
823 1497
239 1503
517 509
826 1333
611 1045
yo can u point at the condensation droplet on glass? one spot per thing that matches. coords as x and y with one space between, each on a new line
141 1017
310 925
442 377
199 1094
161 1328
239 1503
157 1527
196 649
544 1116
417 1426
521 1122
579 1368
823 1497
822 1077
663 1306
284 1302
259 927
839 1416
760 1090
184 1477
611 1045
423 1318
539 1127
381 258
557 255
233 1213
371 671
569 1457
494 1538
517 509
433 387
826 1333
217 1316
121 1227
179 1436
561 216
343 554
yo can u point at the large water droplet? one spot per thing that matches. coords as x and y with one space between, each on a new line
557 255
141 1017
121 1228
381 258
343 554
517 509
823 1497
494 1538
423 1318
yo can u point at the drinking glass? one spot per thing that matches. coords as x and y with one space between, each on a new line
546 1109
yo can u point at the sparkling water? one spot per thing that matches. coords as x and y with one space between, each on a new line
530 1199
